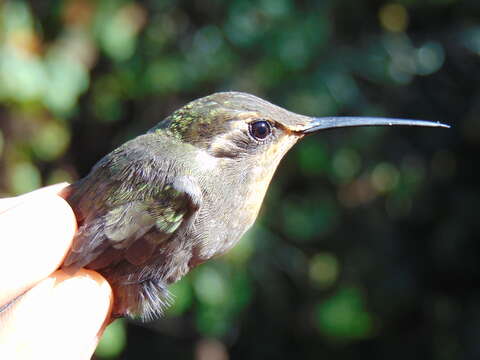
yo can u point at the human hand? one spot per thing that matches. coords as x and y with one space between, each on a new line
59 316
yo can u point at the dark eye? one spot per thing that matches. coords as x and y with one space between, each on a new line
260 129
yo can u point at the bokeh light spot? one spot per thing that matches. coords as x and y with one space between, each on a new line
343 316
324 269
394 17
210 286
385 177
24 177
50 141
430 58
346 164
210 349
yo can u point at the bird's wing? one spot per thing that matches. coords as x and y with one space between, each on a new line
127 206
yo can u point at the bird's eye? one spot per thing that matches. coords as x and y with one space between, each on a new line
259 130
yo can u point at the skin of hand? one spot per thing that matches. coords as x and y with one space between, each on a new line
54 315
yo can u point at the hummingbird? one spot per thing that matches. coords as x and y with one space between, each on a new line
183 193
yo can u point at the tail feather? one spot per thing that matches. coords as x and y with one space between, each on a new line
146 300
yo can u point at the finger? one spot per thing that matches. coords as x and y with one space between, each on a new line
34 237
7 203
60 318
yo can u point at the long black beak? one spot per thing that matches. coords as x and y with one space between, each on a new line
322 123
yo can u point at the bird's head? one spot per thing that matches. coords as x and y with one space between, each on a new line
239 126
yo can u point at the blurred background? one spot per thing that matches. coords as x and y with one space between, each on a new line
367 244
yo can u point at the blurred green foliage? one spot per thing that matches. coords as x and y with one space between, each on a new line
113 341
366 246
343 317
